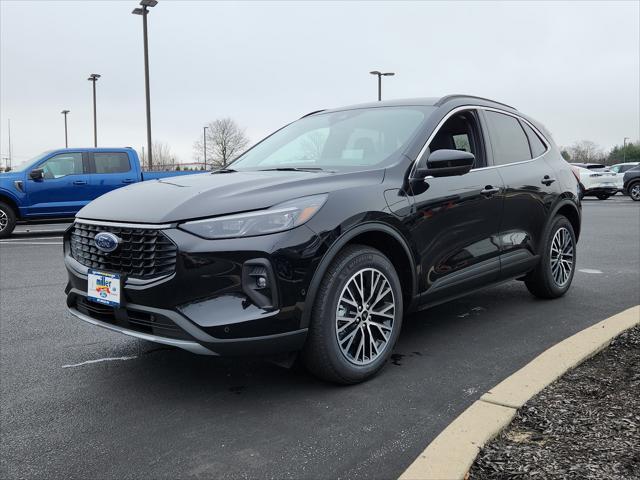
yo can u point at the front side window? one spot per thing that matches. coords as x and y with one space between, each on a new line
460 132
508 139
62 165
116 162
347 139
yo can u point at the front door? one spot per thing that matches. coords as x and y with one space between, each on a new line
457 219
64 189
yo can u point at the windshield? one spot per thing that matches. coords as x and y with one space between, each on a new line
20 166
349 139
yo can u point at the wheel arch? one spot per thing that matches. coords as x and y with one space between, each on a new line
4 198
568 209
381 237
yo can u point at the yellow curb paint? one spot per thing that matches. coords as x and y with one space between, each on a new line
517 389
453 451
451 454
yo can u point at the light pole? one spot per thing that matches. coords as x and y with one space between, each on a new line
66 142
204 138
380 75
624 149
94 78
144 11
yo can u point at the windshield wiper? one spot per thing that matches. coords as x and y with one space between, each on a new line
292 169
224 170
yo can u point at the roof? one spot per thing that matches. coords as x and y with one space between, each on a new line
421 101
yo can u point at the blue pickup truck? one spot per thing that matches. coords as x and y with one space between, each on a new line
58 183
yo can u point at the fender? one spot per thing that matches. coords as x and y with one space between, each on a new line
337 245
8 197
563 202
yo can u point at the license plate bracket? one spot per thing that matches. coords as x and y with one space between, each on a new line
103 287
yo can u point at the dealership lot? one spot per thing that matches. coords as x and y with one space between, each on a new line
79 401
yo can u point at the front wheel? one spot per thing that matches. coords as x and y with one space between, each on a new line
553 275
356 317
634 191
7 220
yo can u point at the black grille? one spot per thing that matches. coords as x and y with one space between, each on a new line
143 253
136 320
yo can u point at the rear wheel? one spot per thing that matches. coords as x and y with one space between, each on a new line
603 196
356 317
7 220
634 191
553 275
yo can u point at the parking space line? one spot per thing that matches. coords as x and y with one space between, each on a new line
98 360
29 243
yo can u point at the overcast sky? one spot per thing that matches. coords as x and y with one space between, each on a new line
573 66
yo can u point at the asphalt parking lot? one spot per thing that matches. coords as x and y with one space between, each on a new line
155 412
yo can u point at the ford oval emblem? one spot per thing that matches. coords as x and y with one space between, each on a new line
107 242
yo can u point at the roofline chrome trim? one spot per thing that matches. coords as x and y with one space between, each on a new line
480 107
193 347
148 226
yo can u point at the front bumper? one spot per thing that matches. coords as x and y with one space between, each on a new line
203 307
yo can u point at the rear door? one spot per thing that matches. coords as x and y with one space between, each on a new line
64 189
457 219
531 189
110 170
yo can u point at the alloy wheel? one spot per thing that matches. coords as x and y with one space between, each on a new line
562 256
635 192
365 316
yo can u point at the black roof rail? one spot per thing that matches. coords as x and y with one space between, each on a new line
311 113
453 97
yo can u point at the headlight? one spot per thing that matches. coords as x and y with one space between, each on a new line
278 218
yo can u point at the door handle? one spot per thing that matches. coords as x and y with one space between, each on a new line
128 180
489 191
79 182
547 180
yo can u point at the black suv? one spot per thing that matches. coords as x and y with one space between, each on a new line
323 235
631 181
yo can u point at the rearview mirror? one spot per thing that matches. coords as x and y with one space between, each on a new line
446 163
37 174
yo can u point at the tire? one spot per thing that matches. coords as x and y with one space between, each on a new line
602 196
547 281
338 297
634 191
7 220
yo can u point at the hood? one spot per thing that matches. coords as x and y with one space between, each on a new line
7 181
189 197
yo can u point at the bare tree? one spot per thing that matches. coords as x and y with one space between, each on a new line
163 157
585 151
225 141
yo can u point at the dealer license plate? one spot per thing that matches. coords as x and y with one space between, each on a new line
104 287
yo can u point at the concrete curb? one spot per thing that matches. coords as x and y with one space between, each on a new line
452 453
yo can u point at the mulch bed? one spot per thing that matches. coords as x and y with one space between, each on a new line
586 425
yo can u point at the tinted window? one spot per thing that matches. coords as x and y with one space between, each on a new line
537 147
111 162
62 165
509 142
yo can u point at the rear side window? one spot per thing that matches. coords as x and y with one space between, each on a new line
509 141
537 147
116 162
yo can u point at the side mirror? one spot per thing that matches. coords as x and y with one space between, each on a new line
446 163
37 174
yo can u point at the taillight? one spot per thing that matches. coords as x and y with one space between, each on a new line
576 172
